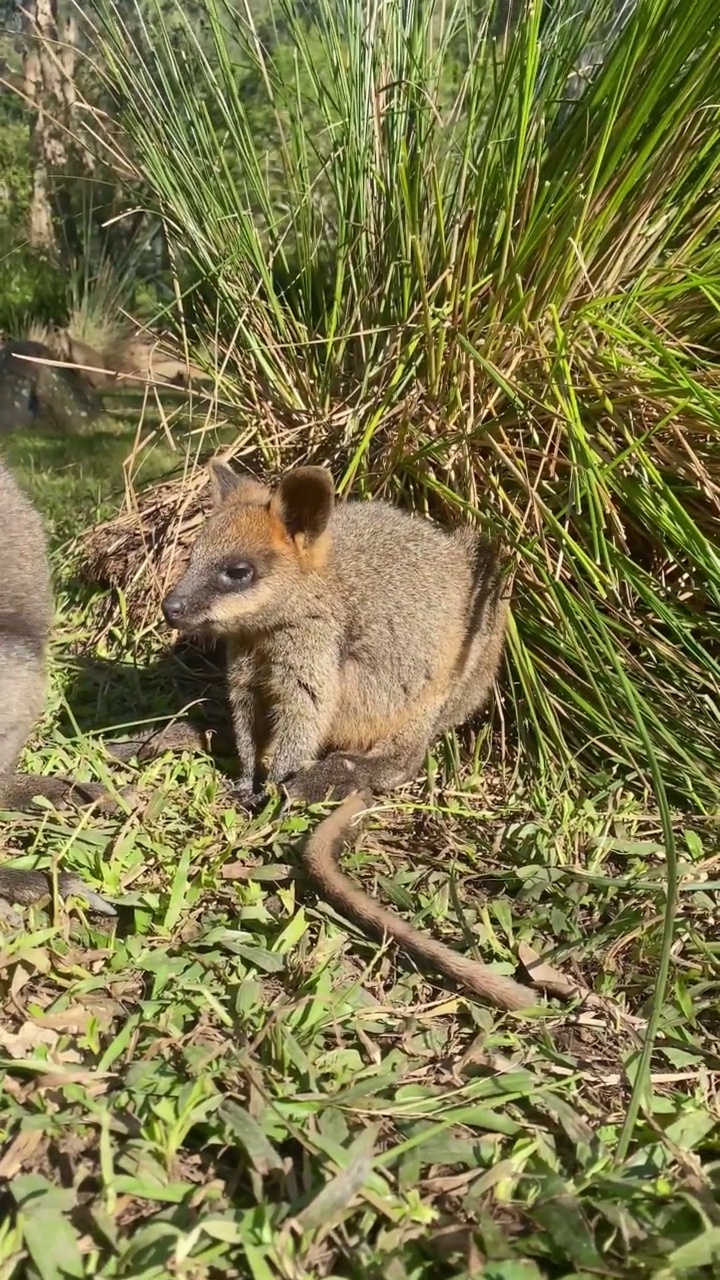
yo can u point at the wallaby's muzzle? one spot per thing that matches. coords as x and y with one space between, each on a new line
174 609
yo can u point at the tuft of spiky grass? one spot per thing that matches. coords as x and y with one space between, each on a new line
476 271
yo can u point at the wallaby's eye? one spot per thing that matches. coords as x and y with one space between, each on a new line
236 576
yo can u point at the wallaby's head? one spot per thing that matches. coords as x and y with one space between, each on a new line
252 562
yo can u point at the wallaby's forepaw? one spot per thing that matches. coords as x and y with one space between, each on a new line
25 887
333 778
244 795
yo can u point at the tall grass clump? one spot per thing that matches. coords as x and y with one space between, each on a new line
471 260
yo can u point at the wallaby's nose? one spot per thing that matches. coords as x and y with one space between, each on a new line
173 609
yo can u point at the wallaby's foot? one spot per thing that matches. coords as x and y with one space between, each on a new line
337 776
183 736
20 790
25 887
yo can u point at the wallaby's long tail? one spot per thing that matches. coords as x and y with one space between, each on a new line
320 861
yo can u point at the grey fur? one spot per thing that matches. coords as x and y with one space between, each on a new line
26 617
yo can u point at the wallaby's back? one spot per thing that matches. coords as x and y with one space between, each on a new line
26 615
422 610
398 574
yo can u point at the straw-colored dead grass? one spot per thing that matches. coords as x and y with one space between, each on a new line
145 549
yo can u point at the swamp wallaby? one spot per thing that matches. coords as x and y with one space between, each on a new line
355 635
26 616
32 392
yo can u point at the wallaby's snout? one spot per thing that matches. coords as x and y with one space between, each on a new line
174 608
187 607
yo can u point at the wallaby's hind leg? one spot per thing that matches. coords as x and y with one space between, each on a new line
388 765
22 685
490 607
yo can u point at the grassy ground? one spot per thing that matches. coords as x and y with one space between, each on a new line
236 1083
79 477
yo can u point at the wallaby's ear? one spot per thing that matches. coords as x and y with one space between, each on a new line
304 501
225 482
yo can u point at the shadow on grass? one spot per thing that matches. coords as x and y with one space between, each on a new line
115 700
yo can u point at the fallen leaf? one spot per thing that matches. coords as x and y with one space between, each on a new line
549 978
20 1152
244 871
23 1043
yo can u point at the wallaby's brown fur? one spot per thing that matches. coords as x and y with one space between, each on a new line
26 616
355 634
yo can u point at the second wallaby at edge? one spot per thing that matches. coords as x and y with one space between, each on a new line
26 616
355 635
